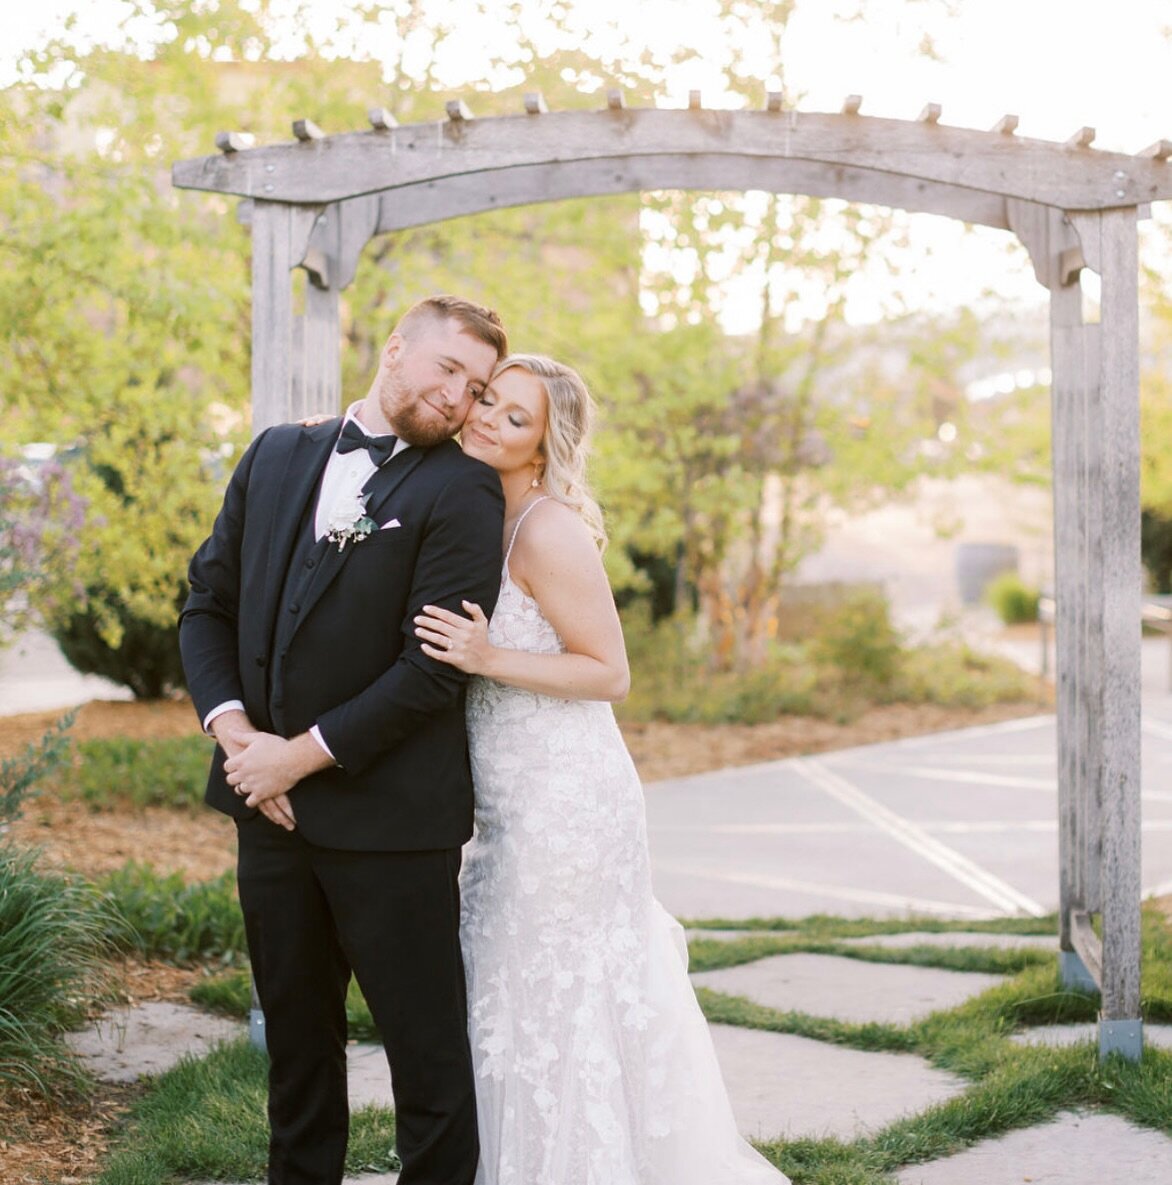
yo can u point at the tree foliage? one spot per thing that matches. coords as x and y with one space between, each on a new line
125 338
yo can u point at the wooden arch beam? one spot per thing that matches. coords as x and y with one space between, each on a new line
356 163
473 193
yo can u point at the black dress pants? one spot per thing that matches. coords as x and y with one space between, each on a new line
314 914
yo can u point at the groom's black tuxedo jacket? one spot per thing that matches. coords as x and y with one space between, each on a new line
306 634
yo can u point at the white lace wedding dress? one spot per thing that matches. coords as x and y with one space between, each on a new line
593 1062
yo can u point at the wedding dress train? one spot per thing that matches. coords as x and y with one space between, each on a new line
594 1065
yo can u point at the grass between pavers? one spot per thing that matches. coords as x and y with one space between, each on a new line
1009 1085
205 1120
828 926
710 954
230 994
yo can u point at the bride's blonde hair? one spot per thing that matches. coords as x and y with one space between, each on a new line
566 443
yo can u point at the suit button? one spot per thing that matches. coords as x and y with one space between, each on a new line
278 704
261 660
295 608
311 563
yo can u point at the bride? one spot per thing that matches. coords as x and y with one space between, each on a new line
593 1062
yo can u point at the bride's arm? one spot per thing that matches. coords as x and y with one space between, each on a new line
557 563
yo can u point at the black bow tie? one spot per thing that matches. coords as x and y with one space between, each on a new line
353 437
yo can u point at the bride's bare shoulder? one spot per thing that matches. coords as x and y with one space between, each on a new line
554 534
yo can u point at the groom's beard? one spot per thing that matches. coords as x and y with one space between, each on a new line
411 417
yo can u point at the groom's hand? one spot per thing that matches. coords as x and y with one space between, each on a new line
233 730
269 766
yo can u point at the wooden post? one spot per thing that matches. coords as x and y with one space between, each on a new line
1114 609
323 363
1071 367
286 364
272 314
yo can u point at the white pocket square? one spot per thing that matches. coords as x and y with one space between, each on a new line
393 522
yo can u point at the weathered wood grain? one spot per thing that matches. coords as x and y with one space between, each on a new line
452 197
354 163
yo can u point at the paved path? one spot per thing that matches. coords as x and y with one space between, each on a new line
960 824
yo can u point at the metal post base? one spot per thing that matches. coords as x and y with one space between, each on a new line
256 1023
1121 1036
256 1029
1073 973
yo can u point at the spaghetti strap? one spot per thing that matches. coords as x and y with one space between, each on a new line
517 526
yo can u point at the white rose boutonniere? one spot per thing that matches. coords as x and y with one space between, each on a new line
349 521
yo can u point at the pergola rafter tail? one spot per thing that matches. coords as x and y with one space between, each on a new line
316 202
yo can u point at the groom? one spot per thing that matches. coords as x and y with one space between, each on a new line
341 749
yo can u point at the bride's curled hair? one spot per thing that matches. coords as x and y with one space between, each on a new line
566 443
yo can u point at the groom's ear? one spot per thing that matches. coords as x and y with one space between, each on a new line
392 348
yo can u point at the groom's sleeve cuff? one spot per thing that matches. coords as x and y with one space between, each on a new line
232 705
315 732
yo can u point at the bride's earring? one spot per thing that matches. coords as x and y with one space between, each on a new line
538 473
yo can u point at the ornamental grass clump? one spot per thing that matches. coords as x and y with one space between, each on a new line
56 934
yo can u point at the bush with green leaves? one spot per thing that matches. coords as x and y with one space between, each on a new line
126 772
847 659
166 918
56 935
1015 602
858 640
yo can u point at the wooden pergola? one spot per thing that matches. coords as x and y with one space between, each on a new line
314 203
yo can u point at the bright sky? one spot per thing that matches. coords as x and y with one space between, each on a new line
1057 64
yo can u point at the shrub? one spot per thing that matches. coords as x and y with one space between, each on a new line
671 679
146 657
171 920
55 933
1014 601
859 641
121 771
955 676
19 775
851 659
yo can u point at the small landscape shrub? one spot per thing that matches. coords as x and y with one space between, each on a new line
121 771
671 679
55 934
19 776
851 659
956 676
146 658
172 920
859 641
1015 602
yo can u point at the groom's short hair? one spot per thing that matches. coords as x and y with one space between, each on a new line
474 319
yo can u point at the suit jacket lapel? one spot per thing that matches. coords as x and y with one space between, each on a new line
379 488
298 481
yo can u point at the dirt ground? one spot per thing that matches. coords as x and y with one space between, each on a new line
201 844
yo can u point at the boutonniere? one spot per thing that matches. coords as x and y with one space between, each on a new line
349 521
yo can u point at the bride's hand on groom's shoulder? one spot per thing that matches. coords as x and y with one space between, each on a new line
461 642
314 420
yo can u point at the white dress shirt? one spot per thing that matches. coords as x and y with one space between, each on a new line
345 475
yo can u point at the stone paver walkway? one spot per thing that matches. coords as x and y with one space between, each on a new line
1074 1150
786 1086
847 989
